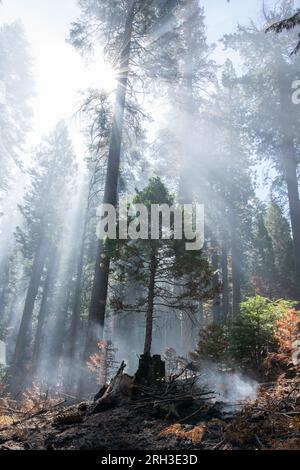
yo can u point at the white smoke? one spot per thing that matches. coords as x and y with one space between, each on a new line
230 387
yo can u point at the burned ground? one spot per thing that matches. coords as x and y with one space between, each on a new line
271 422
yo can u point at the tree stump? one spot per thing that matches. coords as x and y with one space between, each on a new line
151 370
116 393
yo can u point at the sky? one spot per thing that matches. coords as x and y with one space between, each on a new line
60 72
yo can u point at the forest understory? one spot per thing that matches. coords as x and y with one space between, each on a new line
149 225
147 420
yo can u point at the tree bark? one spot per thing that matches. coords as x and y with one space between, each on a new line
43 311
215 268
290 167
289 163
225 292
150 306
4 275
76 305
101 276
59 334
235 265
23 340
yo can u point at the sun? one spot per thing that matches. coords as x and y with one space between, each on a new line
102 75
109 77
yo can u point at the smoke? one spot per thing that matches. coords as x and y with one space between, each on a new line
229 387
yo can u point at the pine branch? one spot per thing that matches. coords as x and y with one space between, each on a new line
287 25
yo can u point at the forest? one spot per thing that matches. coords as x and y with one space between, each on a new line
150 276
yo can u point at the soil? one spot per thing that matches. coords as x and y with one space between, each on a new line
272 422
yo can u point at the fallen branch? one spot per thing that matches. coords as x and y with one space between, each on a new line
38 413
190 416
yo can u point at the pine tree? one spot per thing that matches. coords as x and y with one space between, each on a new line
43 212
261 257
127 26
16 93
273 119
158 267
226 186
287 24
280 234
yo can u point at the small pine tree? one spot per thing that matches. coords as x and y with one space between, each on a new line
158 267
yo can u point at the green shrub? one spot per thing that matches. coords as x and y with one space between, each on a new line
213 343
248 339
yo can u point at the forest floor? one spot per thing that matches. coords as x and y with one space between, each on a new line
271 422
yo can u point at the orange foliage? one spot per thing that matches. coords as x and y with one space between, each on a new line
287 336
196 434
272 422
288 331
102 363
31 401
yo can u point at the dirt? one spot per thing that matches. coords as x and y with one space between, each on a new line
122 428
272 422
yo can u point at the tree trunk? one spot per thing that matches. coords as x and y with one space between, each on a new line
23 340
215 268
76 306
290 169
225 292
236 266
59 335
289 164
119 391
4 273
151 370
150 306
42 317
100 284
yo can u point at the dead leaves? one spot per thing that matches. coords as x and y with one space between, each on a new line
195 435
31 403
273 421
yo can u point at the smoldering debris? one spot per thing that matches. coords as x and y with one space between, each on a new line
271 422
230 387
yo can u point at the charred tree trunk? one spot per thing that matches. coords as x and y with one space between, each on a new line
150 306
119 391
225 291
101 276
150 370
215 268
235 265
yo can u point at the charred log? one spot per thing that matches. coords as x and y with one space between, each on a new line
151 370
